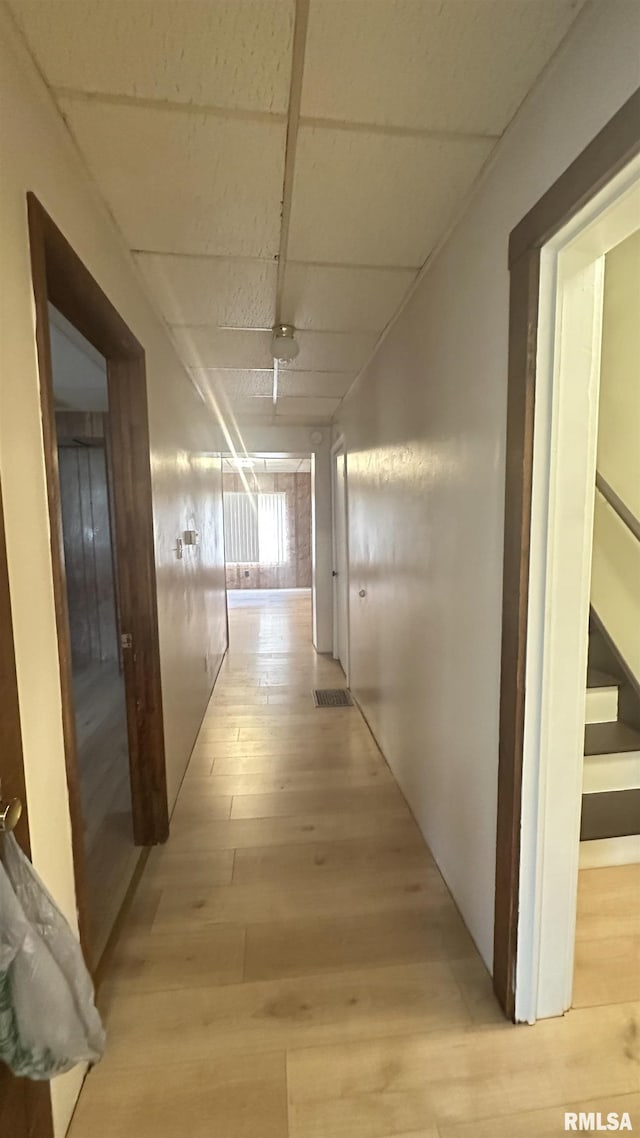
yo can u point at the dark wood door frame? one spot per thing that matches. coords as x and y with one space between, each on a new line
60 277
610 151
25 1106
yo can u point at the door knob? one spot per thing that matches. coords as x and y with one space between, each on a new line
10 815
362 593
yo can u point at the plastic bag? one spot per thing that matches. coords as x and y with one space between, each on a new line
48 1019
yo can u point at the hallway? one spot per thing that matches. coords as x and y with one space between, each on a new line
293 966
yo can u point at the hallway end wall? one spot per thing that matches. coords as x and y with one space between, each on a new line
38 154
295 571
424 429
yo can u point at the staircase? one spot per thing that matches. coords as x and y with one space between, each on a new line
610 829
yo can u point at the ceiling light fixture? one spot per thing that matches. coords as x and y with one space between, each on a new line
284 346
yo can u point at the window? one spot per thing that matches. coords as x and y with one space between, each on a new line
255 528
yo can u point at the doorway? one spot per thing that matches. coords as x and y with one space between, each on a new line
83 433
267 527
121 464
340 569
557 258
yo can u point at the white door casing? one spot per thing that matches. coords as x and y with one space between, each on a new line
564 465
340 560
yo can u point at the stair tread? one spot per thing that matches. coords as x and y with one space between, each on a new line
610 738
598 679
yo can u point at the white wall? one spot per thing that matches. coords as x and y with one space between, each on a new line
615 581
37 154
615 572
425 433
619 404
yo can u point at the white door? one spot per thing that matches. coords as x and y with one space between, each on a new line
340 564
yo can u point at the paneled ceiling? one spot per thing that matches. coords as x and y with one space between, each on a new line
286 161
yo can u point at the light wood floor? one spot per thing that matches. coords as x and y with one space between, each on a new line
293 965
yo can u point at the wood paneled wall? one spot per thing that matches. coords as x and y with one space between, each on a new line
88 553
296 572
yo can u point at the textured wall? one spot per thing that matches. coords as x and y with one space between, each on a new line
37 154
425 433
295 573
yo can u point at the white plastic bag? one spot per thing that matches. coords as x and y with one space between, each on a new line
48 1019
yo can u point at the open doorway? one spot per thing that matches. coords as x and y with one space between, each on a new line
83 433
572 563
267 523
607 949
115 483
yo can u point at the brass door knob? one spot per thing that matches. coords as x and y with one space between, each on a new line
10 815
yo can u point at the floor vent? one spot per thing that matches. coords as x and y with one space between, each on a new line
332 697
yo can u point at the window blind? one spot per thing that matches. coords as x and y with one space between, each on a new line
255 528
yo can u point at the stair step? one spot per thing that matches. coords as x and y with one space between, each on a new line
601 704
610 851
610 738
620 771
610 815
598 679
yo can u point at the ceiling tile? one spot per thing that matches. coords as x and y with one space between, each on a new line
325 383
320 410
331 351
205 290
202 347
247 405
236 384
241 385
223 53
184 183
372 199
342 299
450 65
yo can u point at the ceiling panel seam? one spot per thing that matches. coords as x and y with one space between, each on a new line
295 100
349 265
390 129
267 370
351 331
161 105
246 115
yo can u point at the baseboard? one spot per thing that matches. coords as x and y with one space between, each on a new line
172 805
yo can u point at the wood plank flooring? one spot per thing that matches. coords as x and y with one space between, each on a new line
293 965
